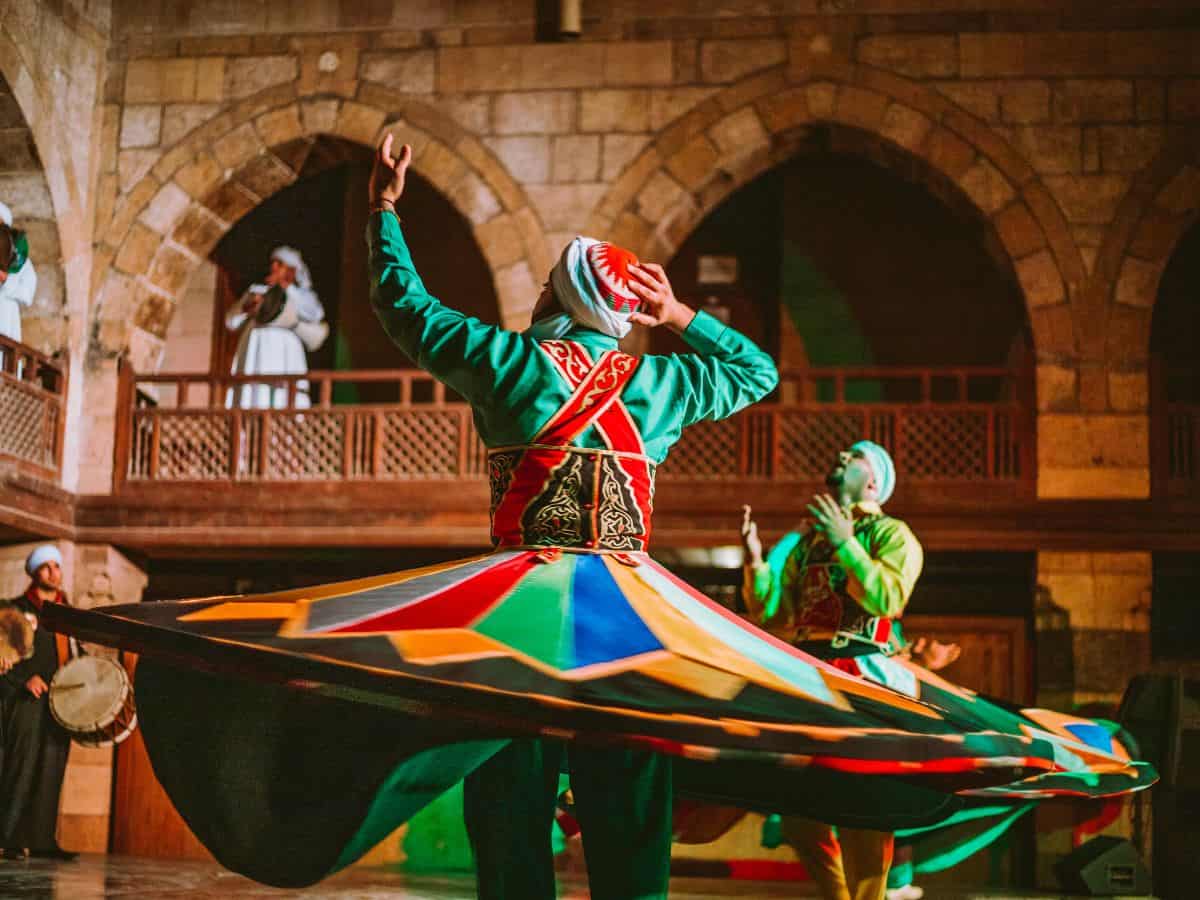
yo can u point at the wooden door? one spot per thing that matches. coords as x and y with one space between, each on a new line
144 821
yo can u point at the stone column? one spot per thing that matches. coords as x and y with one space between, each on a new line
1107 599
1090 455
93 575
1093 634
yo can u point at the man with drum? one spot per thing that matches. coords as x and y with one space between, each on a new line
33 747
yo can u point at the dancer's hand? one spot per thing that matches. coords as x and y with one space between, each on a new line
750 539
832 521
934 655
659 305
387 175
36 686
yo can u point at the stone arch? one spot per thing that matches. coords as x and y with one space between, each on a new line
739 133
30 157
1159 207
170 219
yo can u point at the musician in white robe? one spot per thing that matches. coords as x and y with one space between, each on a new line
281 318
18 280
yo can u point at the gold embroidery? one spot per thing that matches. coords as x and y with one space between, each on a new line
555 517
608 374
618 519
575 365
500 476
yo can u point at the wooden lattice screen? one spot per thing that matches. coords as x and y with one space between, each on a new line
32 388
180 430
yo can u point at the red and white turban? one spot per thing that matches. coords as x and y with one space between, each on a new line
591 282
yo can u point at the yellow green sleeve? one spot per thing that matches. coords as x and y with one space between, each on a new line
767 588
882 574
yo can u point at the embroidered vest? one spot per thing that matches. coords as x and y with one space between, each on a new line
823 605
549 493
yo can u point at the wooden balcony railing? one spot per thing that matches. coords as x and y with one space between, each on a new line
33 390
966 425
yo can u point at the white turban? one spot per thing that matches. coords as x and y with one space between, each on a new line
40 556
882 467
591 282
290 256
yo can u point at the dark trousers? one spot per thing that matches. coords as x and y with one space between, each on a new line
623 802
33 758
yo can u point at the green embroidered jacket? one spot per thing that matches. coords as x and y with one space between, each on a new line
512 385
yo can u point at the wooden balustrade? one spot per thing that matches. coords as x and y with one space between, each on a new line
962 425
33 389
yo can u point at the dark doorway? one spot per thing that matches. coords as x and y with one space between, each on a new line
324 215
864 263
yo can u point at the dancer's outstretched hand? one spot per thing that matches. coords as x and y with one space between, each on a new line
750 539
934 655
387 175
659 306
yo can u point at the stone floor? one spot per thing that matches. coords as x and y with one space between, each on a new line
95 877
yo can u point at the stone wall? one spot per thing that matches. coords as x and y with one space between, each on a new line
1103 635
1070 138
188 341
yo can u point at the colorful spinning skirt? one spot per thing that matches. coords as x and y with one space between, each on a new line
294 730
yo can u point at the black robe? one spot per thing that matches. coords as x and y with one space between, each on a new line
33 749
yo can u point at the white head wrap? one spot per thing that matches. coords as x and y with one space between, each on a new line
290 256
575 284
5 214
40 556
882 467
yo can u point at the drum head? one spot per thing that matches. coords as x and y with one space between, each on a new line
87 693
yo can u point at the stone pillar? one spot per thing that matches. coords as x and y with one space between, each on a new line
1092 615
189 339
1106 599
1091 455
93 575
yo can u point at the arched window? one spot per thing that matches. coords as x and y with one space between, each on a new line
833 259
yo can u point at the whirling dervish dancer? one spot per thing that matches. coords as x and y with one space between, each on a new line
321 718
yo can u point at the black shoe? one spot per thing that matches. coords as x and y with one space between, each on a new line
15 853
54 852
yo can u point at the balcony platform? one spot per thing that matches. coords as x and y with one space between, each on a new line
388 458
178 520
